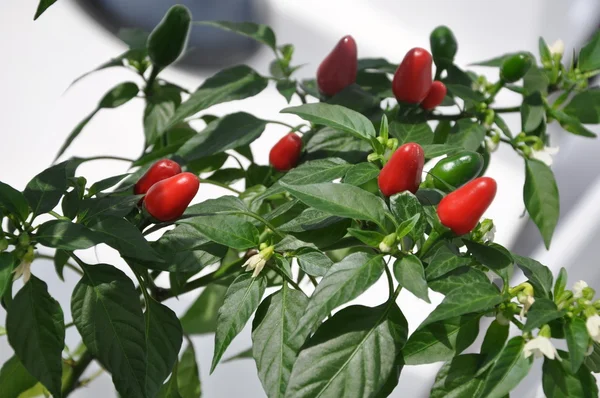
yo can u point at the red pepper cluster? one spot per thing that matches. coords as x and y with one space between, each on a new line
168 191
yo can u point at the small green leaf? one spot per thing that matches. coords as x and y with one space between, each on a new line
456 379
435 150
444 261
105 184
406 227
539 275
589 56
201 317
494 339
313 262
410 274
420 133
42 7
459 278
466 93
44 191
404 206
291 243
7 261
361 173
585 106
356 344
160 108
532 112
561 282
329 142
541 312
508 370
540 195
287 89
309 220
592 361
188 375
229 132
167 41
108 206
62 234
123 236
241 300
578 341
467 134
492 255
440 341
230 84
559 382
343 282
545 54
572 124
273 349
14 378
371 238
107 313
36 330
316 171
224 205
261 33
13 201
337 117
231 231
171 388
246 354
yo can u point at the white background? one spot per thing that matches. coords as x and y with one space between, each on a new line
39 60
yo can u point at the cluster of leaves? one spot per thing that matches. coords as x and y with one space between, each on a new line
324 221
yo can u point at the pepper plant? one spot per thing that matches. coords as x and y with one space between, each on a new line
342 205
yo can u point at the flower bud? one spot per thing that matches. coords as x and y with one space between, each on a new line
388 243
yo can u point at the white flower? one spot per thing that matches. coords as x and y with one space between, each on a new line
491 144
540 346
24 269
384 247
527 302
502 319
490 235
578 289
257 262
593 327
545 154
558 47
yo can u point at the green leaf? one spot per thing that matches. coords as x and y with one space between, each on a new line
467 134
540 195
169 38
361 173
478 298
107 313
404 206
43 6
36 331
224 205
539 275
44 191
241 300
228 176
230 84
355 345
133 54
508 370
171 388
61 257
561 282
499 121
317 171
309 220
229 132
231 231
7 260
435 150
14 378
328 142
466 93
371 238
578 341
105 184
494 62
313 262
558 381
63 234
163 342
273 349
494 339
13 201
592 361
440 341
532 112
585 106
201 317
363 99
261 33
115 206
337 117
444 261
343 282
457 279
160 108
410 274
420 133
342 200
492 255
572 125
291 243
377 64
246 354
188 375
456 379
589 56
124 237
545 54
541 312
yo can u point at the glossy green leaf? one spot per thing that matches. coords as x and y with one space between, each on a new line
459 278
201 317
329 142
188 375
342 200
261 33
62 234
124 237
273 348
167 41
309 220
478 298
231 231
246 354
420 133
435 150
229 132
171 388
572 125
456 379
361 173
540 195
444 261
494 339
541 312
13 201
539 275
532 112
559 381
343 282
44 191
371 238
317 171
466 93
7 261
536 80
14 378
410 274
241 300
589 56
467 134
228 176
291 243
105 184
163 341
356 344
335 116
440 341
36 331
160 108
585 106
578 341
508 370
224 205
107 313
108 206
492 255
592 361
404 206
313 262
230 84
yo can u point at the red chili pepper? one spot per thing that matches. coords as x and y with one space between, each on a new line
461 210
412 79
167 199
338 69
286 153
160 170
403 171
435 96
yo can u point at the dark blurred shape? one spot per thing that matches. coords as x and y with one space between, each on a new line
208 46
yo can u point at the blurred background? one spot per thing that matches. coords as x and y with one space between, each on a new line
41 59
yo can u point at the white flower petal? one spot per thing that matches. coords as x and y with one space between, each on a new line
259 266
558 47
540 346
593 327
578 288
24 270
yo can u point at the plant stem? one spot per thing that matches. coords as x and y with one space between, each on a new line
71 383
219 184
280 123
262 220
389 279
109 158
284 276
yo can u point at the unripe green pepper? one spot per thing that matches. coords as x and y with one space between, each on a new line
515 67
443 46
455 170
169 38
